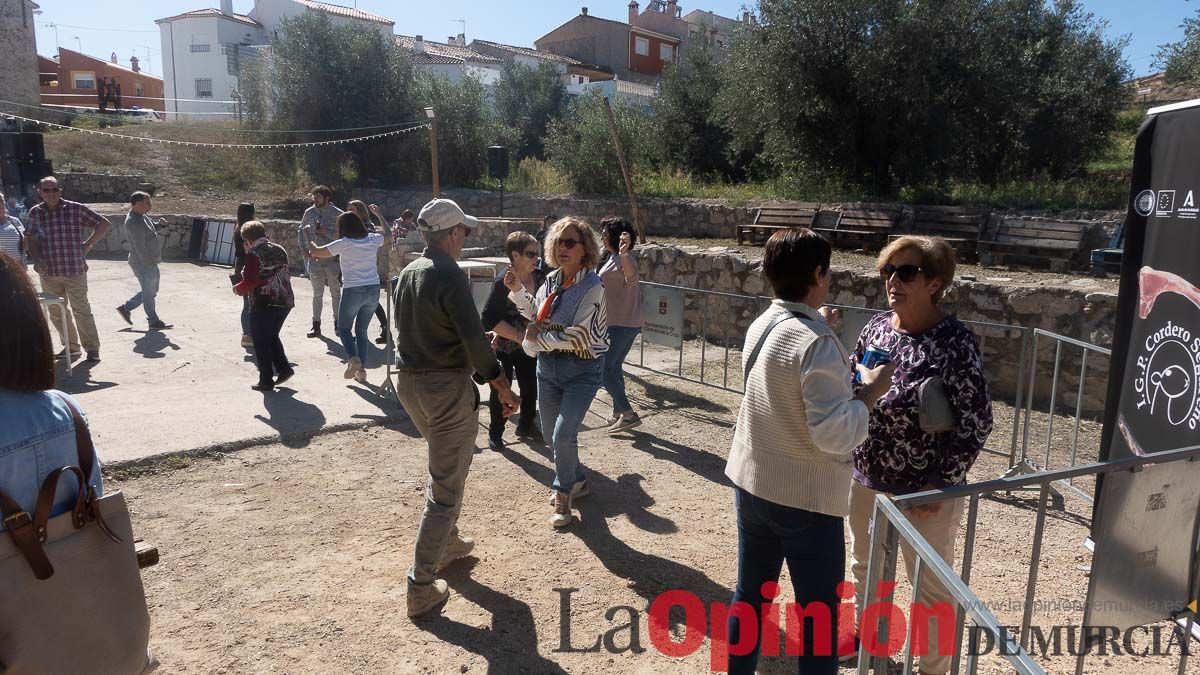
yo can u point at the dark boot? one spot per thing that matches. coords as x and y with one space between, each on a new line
316 331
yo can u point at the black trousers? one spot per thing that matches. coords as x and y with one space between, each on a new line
265 324
526 370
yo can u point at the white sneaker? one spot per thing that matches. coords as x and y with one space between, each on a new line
352 366
360 376
563 516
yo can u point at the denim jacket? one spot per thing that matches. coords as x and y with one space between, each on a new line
37 436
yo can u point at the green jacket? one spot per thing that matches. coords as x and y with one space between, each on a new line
437 325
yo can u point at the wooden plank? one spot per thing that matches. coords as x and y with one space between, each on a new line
1041 233
1060 225
1031 244
147 554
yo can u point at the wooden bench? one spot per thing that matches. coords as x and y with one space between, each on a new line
777 216
865 226
960 227
1057 244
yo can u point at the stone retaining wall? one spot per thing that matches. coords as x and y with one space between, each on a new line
1085 316
100 187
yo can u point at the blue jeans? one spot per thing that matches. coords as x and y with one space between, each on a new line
147 276
357 306
566 387
620 341
815 549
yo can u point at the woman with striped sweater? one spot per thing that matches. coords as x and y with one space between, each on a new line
568 333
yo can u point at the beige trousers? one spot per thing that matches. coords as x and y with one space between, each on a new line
940 530
75 291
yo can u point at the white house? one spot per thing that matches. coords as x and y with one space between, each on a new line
571 71
451 61
204 49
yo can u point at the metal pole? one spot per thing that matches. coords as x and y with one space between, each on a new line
1033 358
637 213
1012 455
968 559
1035 556
1078 410
1053 402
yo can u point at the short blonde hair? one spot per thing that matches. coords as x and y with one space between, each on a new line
359 209
591 246
937 258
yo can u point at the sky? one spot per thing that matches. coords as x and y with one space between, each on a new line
93 27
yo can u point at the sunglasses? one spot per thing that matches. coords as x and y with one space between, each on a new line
49 189
532 255
905 273
569 243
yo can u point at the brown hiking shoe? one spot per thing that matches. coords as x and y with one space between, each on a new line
426 598
457 547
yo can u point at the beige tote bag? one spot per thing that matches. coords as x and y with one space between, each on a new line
73 600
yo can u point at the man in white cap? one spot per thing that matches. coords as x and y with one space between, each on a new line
440 341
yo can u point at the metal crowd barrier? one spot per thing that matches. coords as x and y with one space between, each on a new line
890 526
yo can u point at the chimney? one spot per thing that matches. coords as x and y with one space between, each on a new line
419 45
227 7
133 64
451 41
672 8
462 39
113 58
583 11
633 11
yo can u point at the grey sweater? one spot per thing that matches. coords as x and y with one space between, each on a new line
145 246
437 325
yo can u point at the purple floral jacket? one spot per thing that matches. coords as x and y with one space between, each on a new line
898 456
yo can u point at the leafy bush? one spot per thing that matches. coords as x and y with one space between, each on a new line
466 128
527 100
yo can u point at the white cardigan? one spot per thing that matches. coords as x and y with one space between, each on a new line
799 421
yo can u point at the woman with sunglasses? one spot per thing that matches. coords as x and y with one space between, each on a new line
937 362
568 332
501 317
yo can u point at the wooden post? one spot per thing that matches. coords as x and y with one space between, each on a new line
637 213
437 190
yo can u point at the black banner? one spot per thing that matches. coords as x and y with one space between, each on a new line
1153 399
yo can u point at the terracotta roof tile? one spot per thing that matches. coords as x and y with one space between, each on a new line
348 12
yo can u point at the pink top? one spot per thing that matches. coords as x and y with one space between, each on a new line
623 298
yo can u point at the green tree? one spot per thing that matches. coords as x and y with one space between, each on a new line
1181 60
692 137
466 127
527 100
889 93
580 144
322 76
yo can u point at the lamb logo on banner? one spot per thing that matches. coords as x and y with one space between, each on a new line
1168 365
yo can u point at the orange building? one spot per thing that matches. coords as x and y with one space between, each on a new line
74 79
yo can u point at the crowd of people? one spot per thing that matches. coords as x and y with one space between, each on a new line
820 431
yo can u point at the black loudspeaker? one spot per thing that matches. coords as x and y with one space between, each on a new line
33 148
497 158
10 144
33 171
10 171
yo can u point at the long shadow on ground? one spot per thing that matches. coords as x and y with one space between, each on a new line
511 645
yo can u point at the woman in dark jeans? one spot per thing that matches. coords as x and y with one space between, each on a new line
245 214
266 281
501 317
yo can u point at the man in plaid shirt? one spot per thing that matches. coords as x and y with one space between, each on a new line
59 252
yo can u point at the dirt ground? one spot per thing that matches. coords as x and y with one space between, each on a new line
292 558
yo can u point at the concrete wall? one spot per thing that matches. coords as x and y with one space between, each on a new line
18 58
